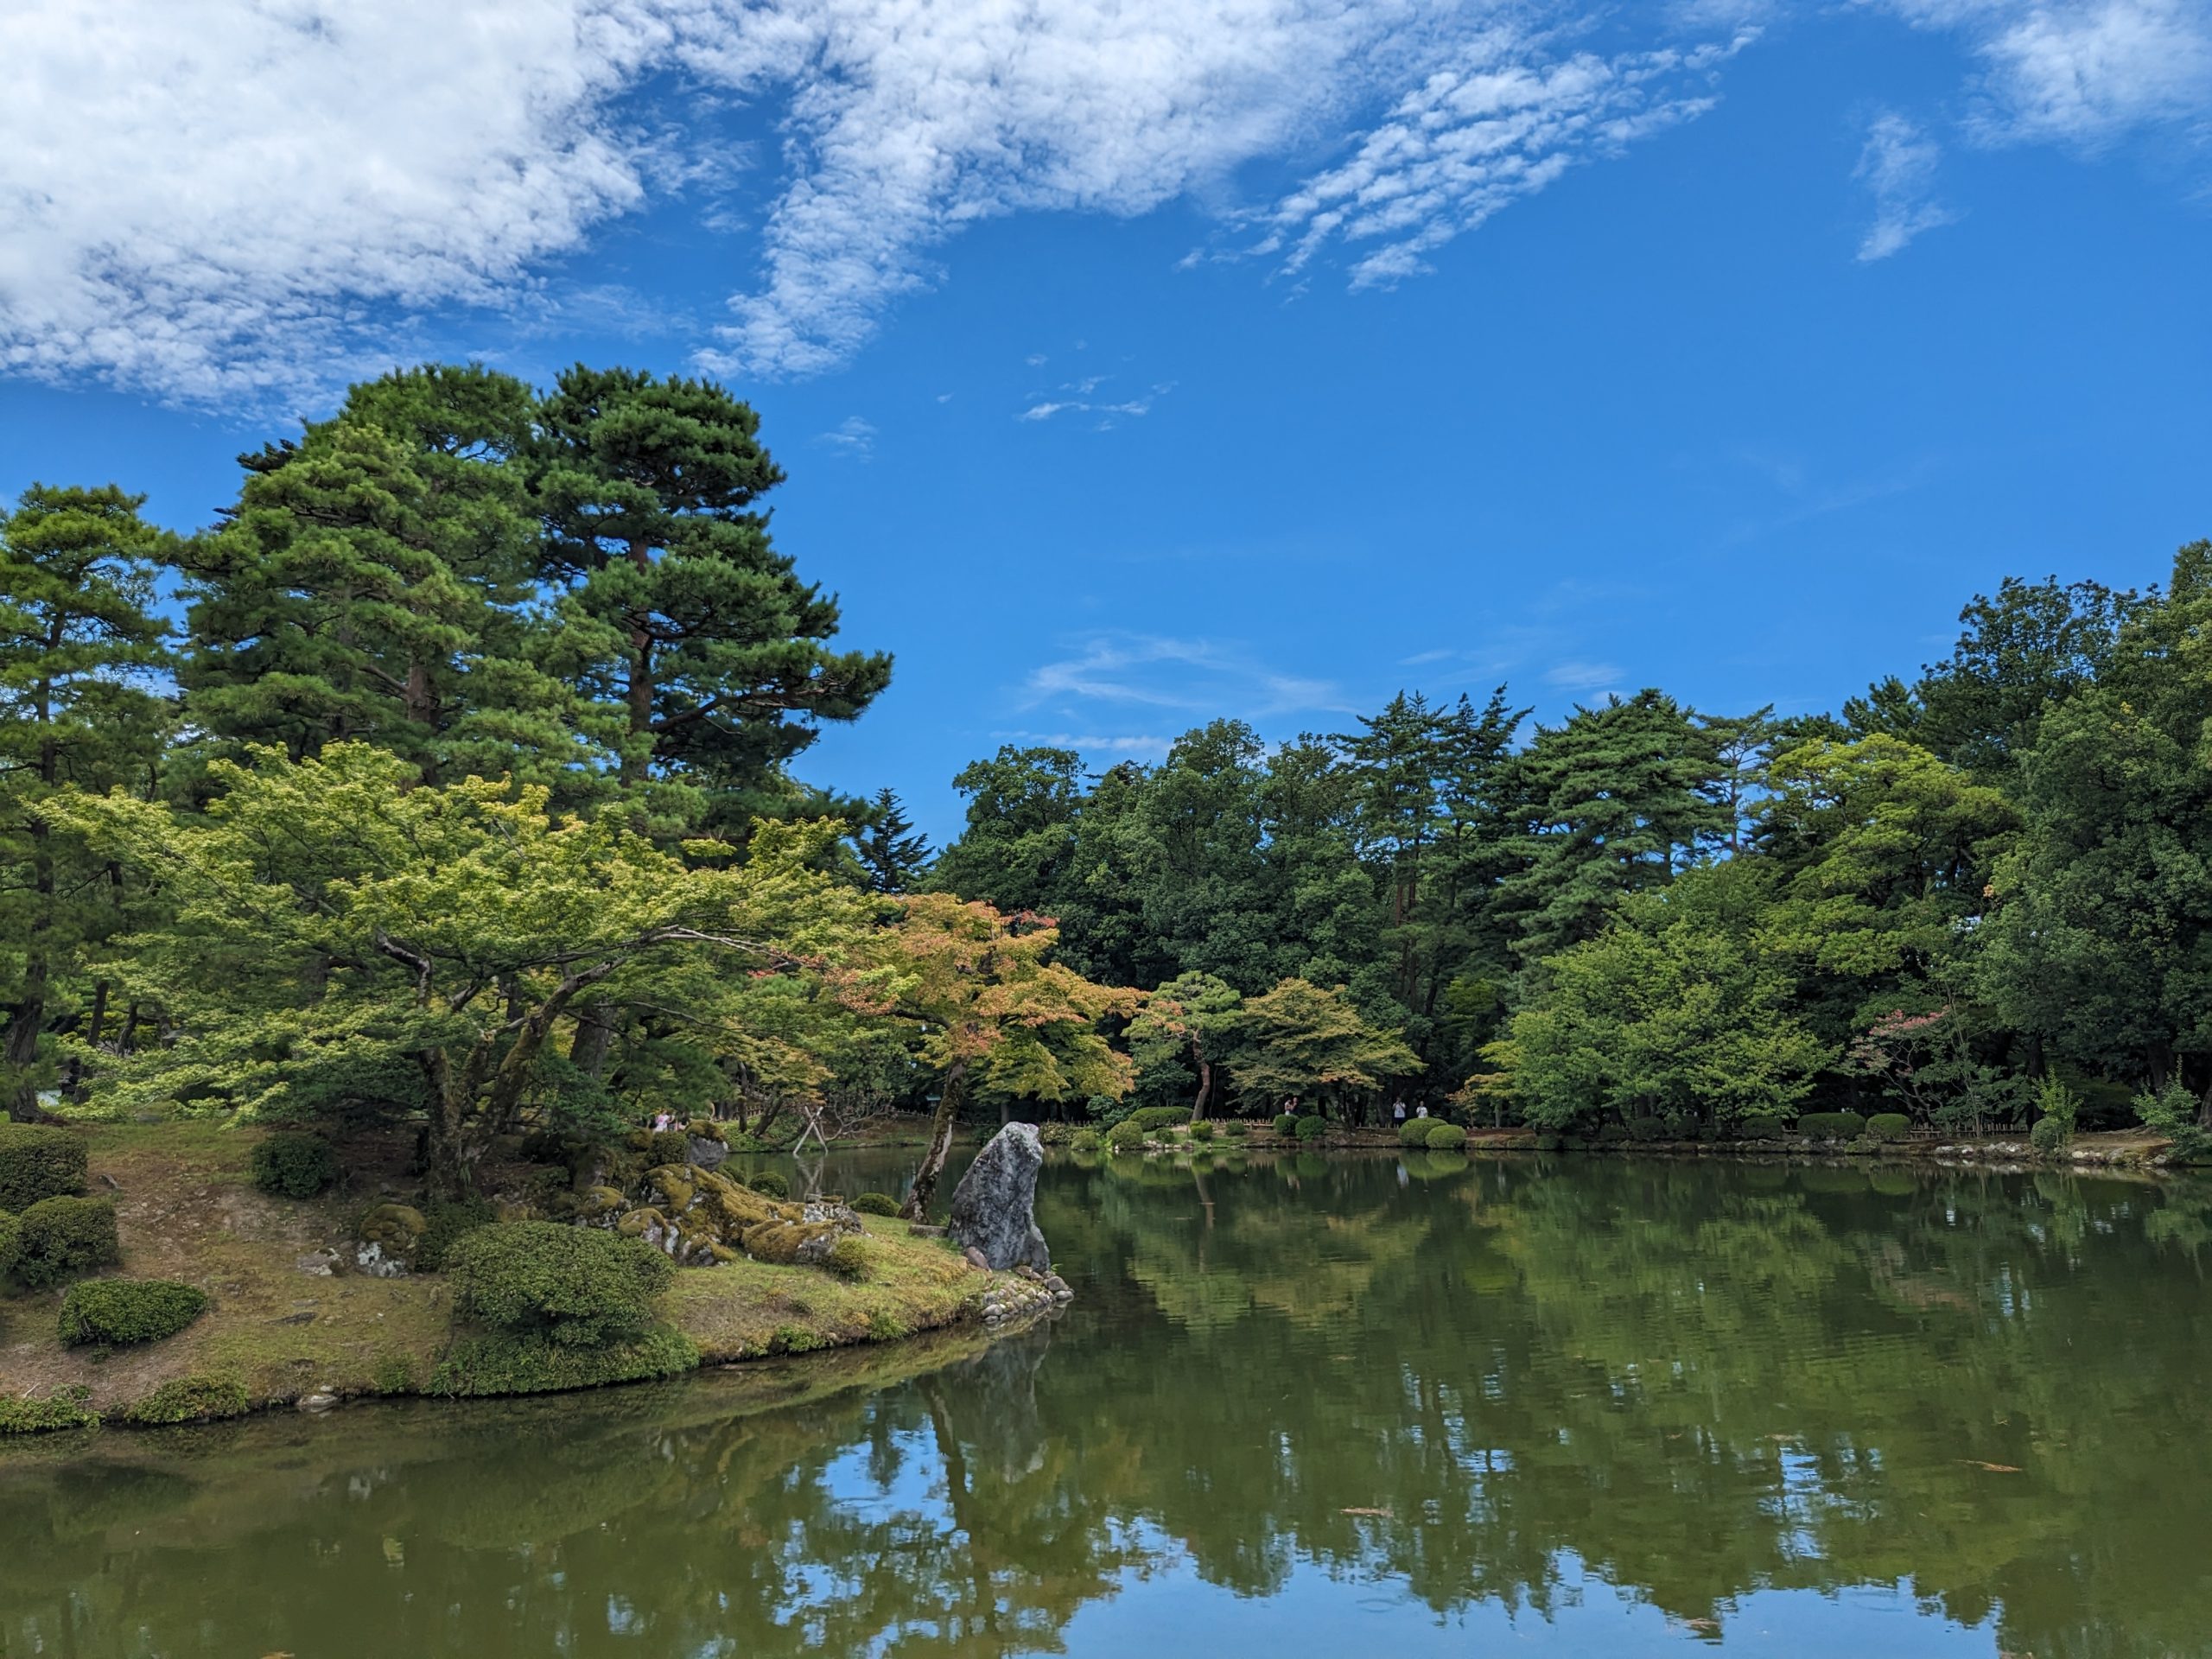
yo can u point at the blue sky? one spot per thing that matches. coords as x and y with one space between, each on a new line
1133 364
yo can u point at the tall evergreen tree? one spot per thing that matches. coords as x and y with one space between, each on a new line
1618 800
373 583
686 618
78 641
895 855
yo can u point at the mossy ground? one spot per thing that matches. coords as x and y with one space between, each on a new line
188 1209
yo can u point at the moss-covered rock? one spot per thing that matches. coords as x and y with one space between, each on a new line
394 1231
601 1206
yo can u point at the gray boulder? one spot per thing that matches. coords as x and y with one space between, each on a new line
991 1207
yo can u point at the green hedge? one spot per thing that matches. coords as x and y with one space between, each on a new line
68 1410
38 1161
1832 1126
1414 1132
60 1239
1128 1135
1285 1124
1889 1126
1202 1131
119 1312
1761 1126
1158 1117
449 1221
190 1399
1312 1127
1447 1137
2049 1136
1086 1140
510 1365
772 1183
11 1244
295 1164
876 1203
574 1286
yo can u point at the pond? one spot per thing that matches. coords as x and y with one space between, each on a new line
1306 1407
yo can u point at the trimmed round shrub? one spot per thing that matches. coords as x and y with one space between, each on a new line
771 1183
2049 1136
1762 1126
1311 1126
1285 1124
60 1239
1414 1132
876 1203
1832 1126
119 1312
1155 1118
1447 1137
576 1287
1230 1129
11 1242
1128 1135
1888 1125
38 1161
1647 1129
848 1258
294 1164
1202 1130
1087 1141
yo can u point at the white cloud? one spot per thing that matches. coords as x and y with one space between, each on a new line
1582 677
1090 743
1897 167
853 435
200 196
1198 676
226 199
2080 71
1499 120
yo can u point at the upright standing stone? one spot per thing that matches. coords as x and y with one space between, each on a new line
991 1209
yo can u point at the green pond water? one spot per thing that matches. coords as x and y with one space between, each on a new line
1302 1408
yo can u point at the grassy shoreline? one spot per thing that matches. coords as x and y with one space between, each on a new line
187 1209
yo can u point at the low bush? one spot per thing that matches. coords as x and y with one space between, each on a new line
1832 1126
848 1257
190 1399
1762 1126
1611 1135
11 1244
1285 1124
1311 1126
1230 1129
667 1146
574 1286
294 1164
1888 1126
510 1365
1414 1132
1447 1137
1088 1140
1548 1141
1160 1118
1202 1130
39 1161
60 1239
876 1203
119 1311
64 1410
1128 1135
1647 1129
772 1183
449 1223
2049 1136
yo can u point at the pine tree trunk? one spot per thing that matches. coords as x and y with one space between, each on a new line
948 1112
1206 1085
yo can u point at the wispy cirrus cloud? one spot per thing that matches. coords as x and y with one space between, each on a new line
853 436
1197 676
1582 675
1898 168
1091 742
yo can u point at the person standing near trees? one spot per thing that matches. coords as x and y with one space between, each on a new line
1398 1112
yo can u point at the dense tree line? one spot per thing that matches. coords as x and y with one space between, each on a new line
447 778
1960 898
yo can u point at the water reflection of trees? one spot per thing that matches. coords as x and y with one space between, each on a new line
1695 1382
1698 1381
